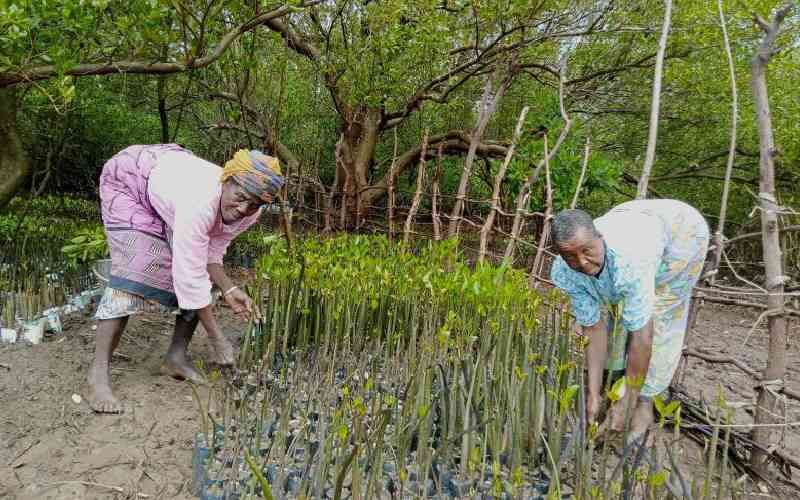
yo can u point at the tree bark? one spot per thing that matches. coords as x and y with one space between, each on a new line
14 164
650 156
498 181
719 236
776 361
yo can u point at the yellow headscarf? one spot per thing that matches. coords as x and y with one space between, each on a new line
259 174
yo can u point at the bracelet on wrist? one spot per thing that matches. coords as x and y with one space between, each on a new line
234 287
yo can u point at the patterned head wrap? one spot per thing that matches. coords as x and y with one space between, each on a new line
259 174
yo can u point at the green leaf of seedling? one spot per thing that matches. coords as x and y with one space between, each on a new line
672 408
659 404
567 396
617 390
265 488
658 479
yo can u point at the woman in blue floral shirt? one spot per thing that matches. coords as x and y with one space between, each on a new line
633 268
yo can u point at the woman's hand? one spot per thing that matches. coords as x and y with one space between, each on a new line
242 304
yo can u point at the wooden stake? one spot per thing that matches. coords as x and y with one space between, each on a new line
524 192
390 189
719 235
487 107
498 181
437 221
412 212
548 213
584 164
650 155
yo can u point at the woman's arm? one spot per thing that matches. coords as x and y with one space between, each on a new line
219 278
596 353
640 349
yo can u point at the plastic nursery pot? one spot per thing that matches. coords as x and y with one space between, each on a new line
53 320
33 331
8 335
199 462
212 489
79 302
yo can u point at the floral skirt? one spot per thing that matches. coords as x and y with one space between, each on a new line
141 254
680 270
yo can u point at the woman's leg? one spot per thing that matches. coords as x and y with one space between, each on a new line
176 363
109 333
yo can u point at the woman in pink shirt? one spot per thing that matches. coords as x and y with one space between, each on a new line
169 217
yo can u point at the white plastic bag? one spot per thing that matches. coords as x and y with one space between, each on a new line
8 335
33 331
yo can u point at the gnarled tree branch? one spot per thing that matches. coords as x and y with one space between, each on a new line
141 66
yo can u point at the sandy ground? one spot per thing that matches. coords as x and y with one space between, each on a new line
54 448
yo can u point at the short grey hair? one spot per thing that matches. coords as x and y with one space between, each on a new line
566 224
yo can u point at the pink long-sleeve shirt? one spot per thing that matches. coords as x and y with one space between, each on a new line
185 191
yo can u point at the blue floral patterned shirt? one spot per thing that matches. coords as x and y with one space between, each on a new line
635 240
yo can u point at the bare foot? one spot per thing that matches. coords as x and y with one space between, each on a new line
101 399
222 350
617 415
641 420
181 369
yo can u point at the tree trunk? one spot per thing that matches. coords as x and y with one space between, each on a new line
498 181
356 151
719 236
776 360
162 108
650 156
14 165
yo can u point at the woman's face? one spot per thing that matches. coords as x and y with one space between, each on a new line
236 203
584 253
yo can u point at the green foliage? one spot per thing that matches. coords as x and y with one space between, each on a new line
88 246
374 269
